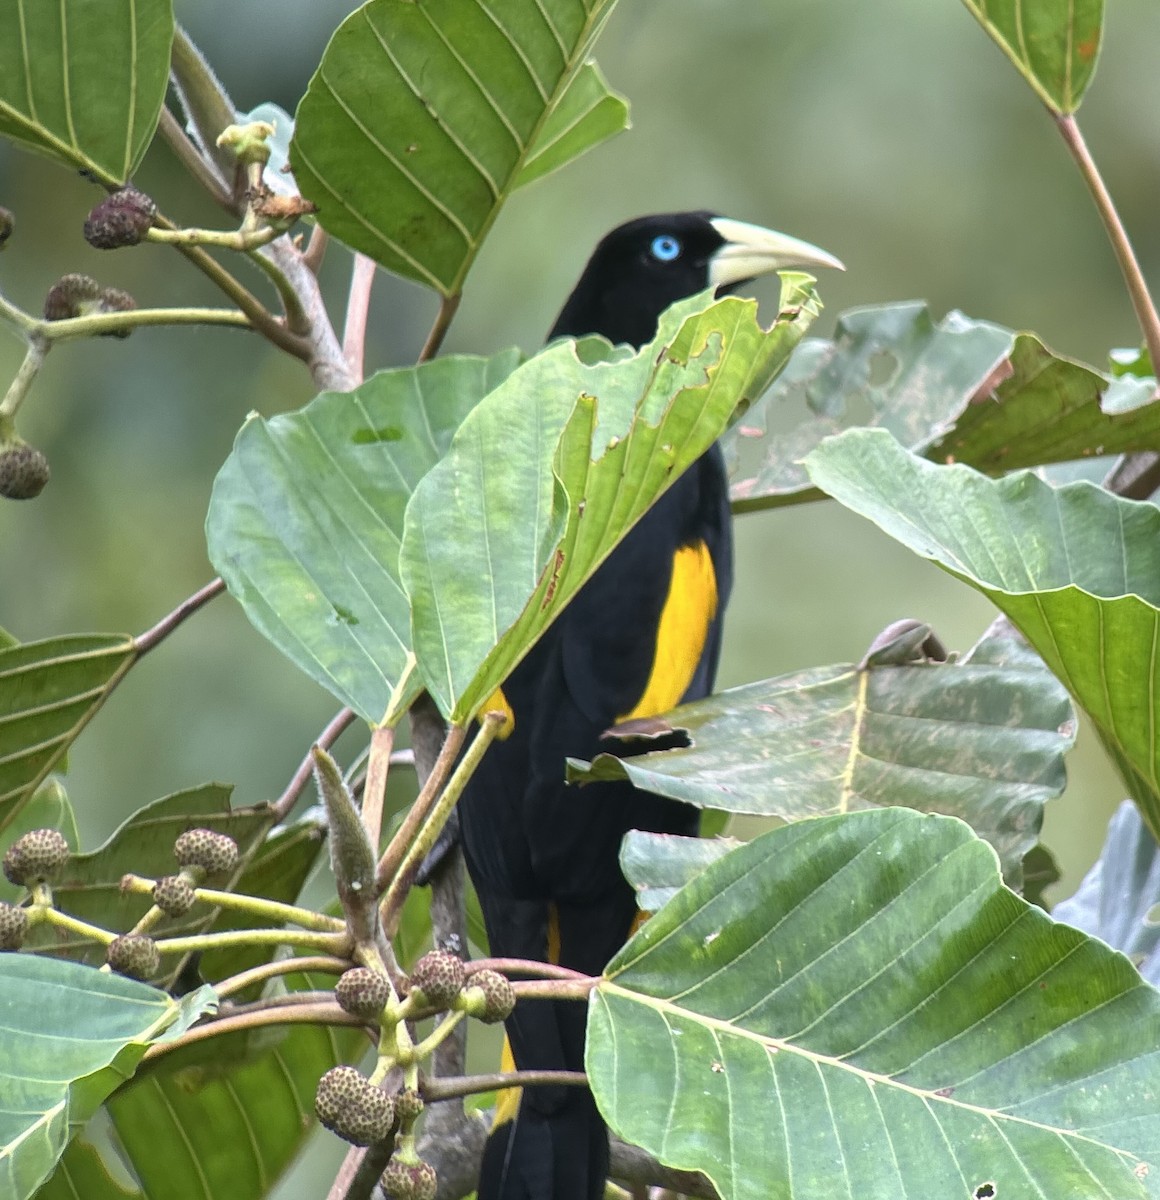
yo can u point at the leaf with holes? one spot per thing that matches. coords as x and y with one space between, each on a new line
83 81
1075 568
69 1035
556 465
49 691
856 1005
982 739
959 391
306 519
1053 44
424 116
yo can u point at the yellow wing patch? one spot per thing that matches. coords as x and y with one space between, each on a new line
498 702
690 607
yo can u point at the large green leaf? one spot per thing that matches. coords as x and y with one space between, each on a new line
171 1121
424 116
982 739
856 1006
957 391
68 1036
306 519
1074 567
553 469
84 80
1053 44
49 691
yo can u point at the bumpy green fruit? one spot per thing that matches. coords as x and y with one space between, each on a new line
214 852
13 923
415 1180
36 857
348 1104
489 997
174 895
362 993
437 979
135 955
23 470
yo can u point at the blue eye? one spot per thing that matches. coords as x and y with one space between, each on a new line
665 247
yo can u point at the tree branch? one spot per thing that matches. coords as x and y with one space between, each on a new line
301 776
153 637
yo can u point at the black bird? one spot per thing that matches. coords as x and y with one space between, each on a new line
640 637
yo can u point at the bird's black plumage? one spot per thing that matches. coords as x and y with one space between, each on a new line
544 857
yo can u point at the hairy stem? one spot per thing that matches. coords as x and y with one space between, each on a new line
1133 277
338 944
354 336
396 852
119 322
448 307
524 966
375 789
323 964
153 637
192 159
33 360
471 1085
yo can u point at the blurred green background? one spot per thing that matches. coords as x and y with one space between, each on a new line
893 134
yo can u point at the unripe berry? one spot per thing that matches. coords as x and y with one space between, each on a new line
410 1180
362 993
81 296
348 1104
408 1106
23 471
174 895
13 923
437 979
215 853
36 857
489 997
135 955
121 219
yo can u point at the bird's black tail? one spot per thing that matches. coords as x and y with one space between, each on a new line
550 1143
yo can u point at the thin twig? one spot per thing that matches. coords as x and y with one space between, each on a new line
471 1085
396 852
374 793
369 1165
285 1000
1133 277
194 161
327 1013
354 335
122 322
553 989
285 802
448 306
152 637
322 963
524 966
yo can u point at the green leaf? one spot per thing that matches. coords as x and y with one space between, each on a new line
424 116
306 519
494 545
69 1035
959 391
856 1006
1074 567
83 1171
658 865
1051 409
174 1122
588 113
83 81
50 691
1053 44
982 739
1117 898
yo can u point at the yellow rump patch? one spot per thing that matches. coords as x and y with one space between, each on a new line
690 607
497 702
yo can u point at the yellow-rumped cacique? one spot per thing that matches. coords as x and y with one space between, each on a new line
641 636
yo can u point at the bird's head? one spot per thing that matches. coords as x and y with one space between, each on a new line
642 267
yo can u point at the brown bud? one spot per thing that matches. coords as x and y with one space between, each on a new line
121 219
